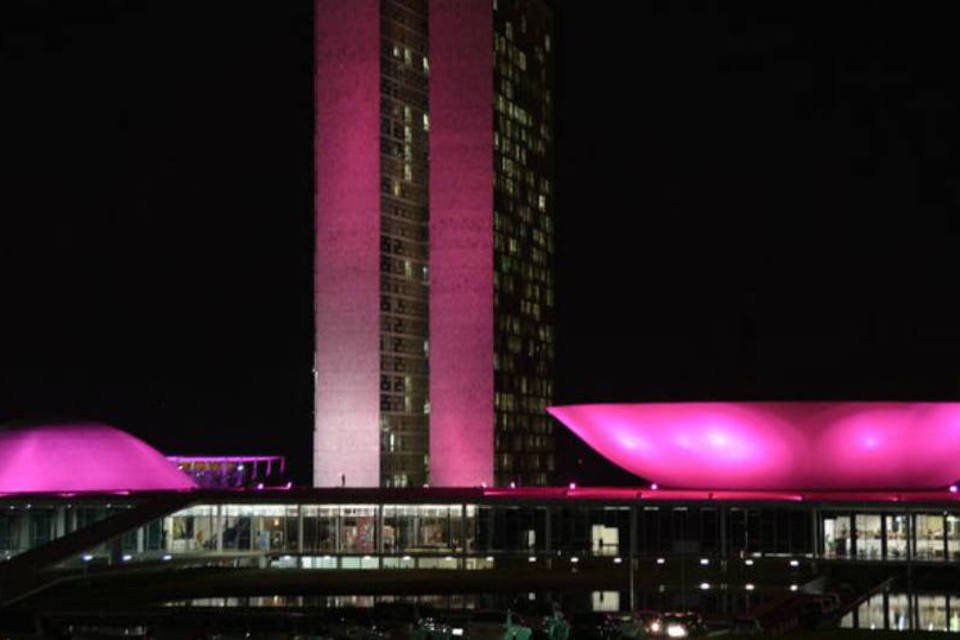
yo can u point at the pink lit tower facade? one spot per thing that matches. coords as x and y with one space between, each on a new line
434 242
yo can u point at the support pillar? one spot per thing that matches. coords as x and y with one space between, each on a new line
634 526
548 536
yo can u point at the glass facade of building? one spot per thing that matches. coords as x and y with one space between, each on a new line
404 253
906 612
480 533
523 241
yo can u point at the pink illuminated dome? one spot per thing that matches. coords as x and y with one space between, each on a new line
82 457
776 445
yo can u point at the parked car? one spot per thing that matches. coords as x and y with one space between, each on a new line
682 625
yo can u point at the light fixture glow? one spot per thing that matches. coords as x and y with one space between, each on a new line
617 560
532 559
87 557
676 631
574 559
660 561
748 562
794 563
770 445
704 585
749 586
793 587
704 562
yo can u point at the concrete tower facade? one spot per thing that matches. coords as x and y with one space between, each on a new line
434 293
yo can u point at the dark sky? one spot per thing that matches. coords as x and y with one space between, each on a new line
755 201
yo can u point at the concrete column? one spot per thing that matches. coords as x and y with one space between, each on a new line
221 525
853 535
722 523
300 528
886 611
463 535
883 536
817 530
25 542
548 536
634 526
946 554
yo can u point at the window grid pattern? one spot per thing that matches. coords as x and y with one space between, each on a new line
404 274
523 242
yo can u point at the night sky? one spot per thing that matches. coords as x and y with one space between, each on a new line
755 201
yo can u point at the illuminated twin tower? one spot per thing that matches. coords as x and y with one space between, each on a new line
434 233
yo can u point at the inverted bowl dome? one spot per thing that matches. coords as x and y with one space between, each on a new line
776 445
82 457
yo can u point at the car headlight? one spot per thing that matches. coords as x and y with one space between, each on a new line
676 631
457 631
655 626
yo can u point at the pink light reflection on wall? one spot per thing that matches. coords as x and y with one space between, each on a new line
461 242
347 263
82 457
776 445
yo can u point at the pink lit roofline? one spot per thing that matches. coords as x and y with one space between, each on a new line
777 446
474 495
